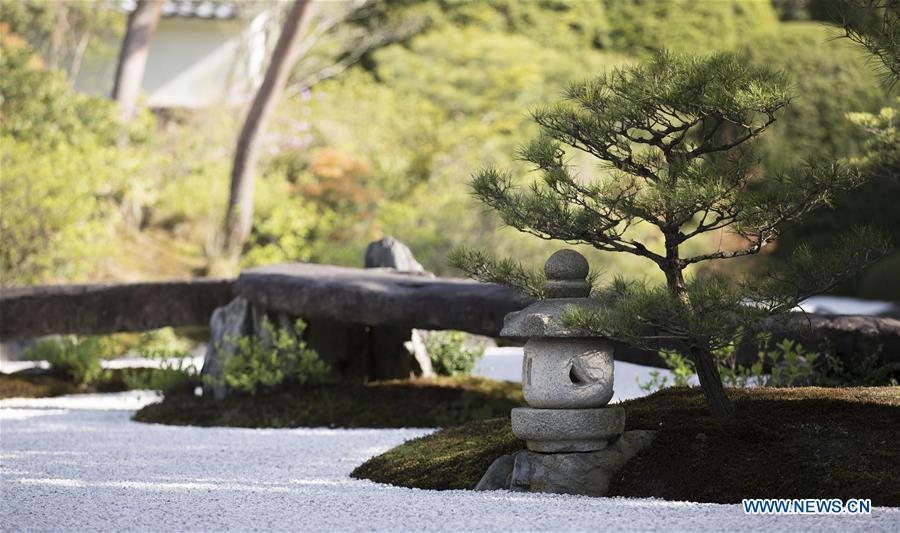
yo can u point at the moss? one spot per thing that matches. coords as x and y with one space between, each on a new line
450 459
783 443
48 384
402 403
38 386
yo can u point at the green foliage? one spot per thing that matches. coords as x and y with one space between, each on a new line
452 353
405 130
786 364
881 156
675 138
76 359
175 372
489 269
829 77
641 27
874 24
66 33
270 360
64 179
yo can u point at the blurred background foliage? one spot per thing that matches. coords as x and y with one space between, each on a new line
387 145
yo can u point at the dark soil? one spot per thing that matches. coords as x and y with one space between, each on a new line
782 443
438 402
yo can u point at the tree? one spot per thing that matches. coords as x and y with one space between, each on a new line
874 25
676 138
239 216
133 55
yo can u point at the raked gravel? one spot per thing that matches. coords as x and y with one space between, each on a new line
81 464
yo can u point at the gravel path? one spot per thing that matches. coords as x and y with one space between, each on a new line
82 465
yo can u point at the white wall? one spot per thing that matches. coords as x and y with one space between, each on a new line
193 62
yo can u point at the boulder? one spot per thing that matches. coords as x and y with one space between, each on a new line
587 474
391 253
226 325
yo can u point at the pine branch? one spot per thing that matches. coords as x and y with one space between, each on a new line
507 272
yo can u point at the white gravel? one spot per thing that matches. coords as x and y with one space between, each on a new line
67 468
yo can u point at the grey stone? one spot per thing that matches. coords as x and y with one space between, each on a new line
567 372
498 474
567 430
566 272
94 309
389 346
391 253
587 474
226 325
544 318
379 298
416 346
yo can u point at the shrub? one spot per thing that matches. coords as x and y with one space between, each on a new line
75 359
272 359
175 370
788 365
829 78
683 25
453 352
63 177
170 376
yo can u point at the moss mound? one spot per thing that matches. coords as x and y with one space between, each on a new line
437 402
783 443
34 386
45 385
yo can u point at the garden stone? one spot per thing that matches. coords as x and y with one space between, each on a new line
392 357
227 324
568 430
576 473
498 474
391 253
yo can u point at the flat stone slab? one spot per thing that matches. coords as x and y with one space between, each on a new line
379 297
98 308
586 474
568 430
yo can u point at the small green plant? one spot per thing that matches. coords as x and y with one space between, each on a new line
175 371
789 365
270 359
451 352
74 358
868 371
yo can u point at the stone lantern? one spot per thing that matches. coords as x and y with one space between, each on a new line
575 441
567 379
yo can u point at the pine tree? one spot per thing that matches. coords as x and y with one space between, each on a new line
675 138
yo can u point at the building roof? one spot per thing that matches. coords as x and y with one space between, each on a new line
206 9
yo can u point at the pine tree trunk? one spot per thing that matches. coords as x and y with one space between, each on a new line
239 217
704 362
711 382
133 55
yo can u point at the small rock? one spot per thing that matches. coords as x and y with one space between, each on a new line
498 474
391 253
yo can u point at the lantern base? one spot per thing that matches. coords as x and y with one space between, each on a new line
568 430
